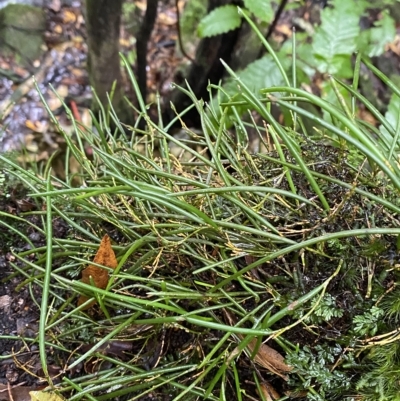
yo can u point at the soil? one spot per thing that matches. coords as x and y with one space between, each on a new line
19 361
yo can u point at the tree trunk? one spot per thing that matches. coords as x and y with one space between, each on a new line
103 18
142 41
207 67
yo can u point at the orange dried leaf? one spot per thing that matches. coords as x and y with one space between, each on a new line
105 256
31 125
69 17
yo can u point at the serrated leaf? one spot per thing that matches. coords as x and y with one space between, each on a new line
383 33
262 9
218 21
336 38
339 64
358 7
262 73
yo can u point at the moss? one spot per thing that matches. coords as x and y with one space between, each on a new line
21 30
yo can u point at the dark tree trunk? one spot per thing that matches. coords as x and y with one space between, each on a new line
142 41
103 18
207 67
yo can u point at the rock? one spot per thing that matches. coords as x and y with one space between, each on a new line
22 31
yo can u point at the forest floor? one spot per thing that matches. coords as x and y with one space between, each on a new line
26 126
60 73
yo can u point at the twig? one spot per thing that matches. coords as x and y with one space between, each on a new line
274 23
142 42
178 28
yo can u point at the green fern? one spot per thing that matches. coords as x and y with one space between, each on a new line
262 73
336 38
367 323
391 307
382 382
383 32
220 20
314 367
325 310
261 8
226 18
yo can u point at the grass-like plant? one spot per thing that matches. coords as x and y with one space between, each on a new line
220 250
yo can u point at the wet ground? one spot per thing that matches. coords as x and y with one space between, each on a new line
19 300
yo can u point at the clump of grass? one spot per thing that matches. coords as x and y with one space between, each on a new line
217 250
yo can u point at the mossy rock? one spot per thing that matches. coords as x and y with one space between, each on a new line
21 30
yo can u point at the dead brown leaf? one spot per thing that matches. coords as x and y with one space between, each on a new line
105 256
167 18
269 393
22 393
115 348
266 356
270 359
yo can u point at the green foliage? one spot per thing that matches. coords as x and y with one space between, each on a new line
383 32
327 49
260 8
339 36
392 117
192 14
314 367
391 306
336 38
226 18
220 20
128 8
2 178
201 244
325 310
381 382
330 370
262 73
367 323
379 3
